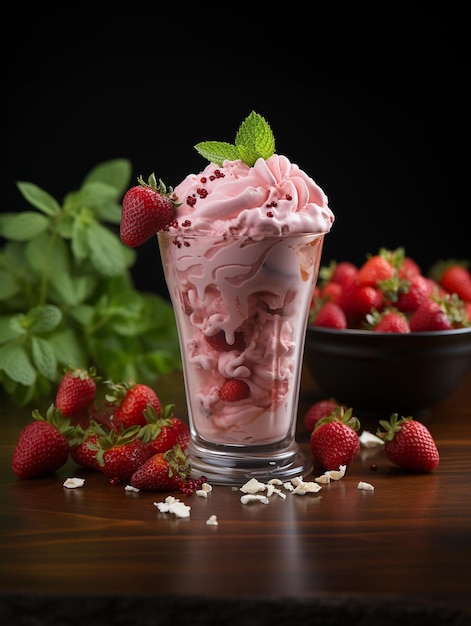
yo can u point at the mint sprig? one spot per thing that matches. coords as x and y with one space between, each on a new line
254 140
66 293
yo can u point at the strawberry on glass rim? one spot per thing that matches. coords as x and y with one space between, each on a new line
146 209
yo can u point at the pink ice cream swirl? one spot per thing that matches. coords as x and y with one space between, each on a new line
274 197
255 279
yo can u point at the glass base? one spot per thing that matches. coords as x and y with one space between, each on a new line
224 465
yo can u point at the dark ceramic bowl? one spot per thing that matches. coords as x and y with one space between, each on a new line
385 373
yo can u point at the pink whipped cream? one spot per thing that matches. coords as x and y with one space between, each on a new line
274 197
253 279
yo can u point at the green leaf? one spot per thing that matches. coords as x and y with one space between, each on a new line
39 198
255 139
79 244
8 285
70 348
44 358
96 194
7 329
83 314
15 362
22 226
42 319
108 255
110 212
218 151
22 395
49 256
70 290
116 173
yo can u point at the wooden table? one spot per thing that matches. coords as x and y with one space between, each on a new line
101 555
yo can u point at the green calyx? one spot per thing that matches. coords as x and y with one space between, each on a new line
392 427
155 422
157 185
342 415
254 140
54 417
177 461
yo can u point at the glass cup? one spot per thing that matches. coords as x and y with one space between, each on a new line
241 306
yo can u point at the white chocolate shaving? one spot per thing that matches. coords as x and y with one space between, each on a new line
365 486
174 506
337 474
253 486
251 497
306 487
368 440
74 483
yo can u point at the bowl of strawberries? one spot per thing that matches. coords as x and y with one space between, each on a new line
387 338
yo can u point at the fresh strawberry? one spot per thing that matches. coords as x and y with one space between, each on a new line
119 454
357 301
128 402
409 444
76 394
388 321
343 271
330 291
318 410
220 343
328 315
146 209
233 390
337 272
408 268
43 445
454 277
430 316
375 269
413 292
334 440
163 432
437 313
84 446
164 471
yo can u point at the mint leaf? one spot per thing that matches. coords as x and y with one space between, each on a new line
47 257
69 348
16 364
95 194
22 226
116 173
7 329
218 151
8 286
254 140
42 319
107 253
44 357
39 198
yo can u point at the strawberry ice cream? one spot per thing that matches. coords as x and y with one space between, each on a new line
241 261
272 198
241 258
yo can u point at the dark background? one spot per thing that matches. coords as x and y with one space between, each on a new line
379 123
